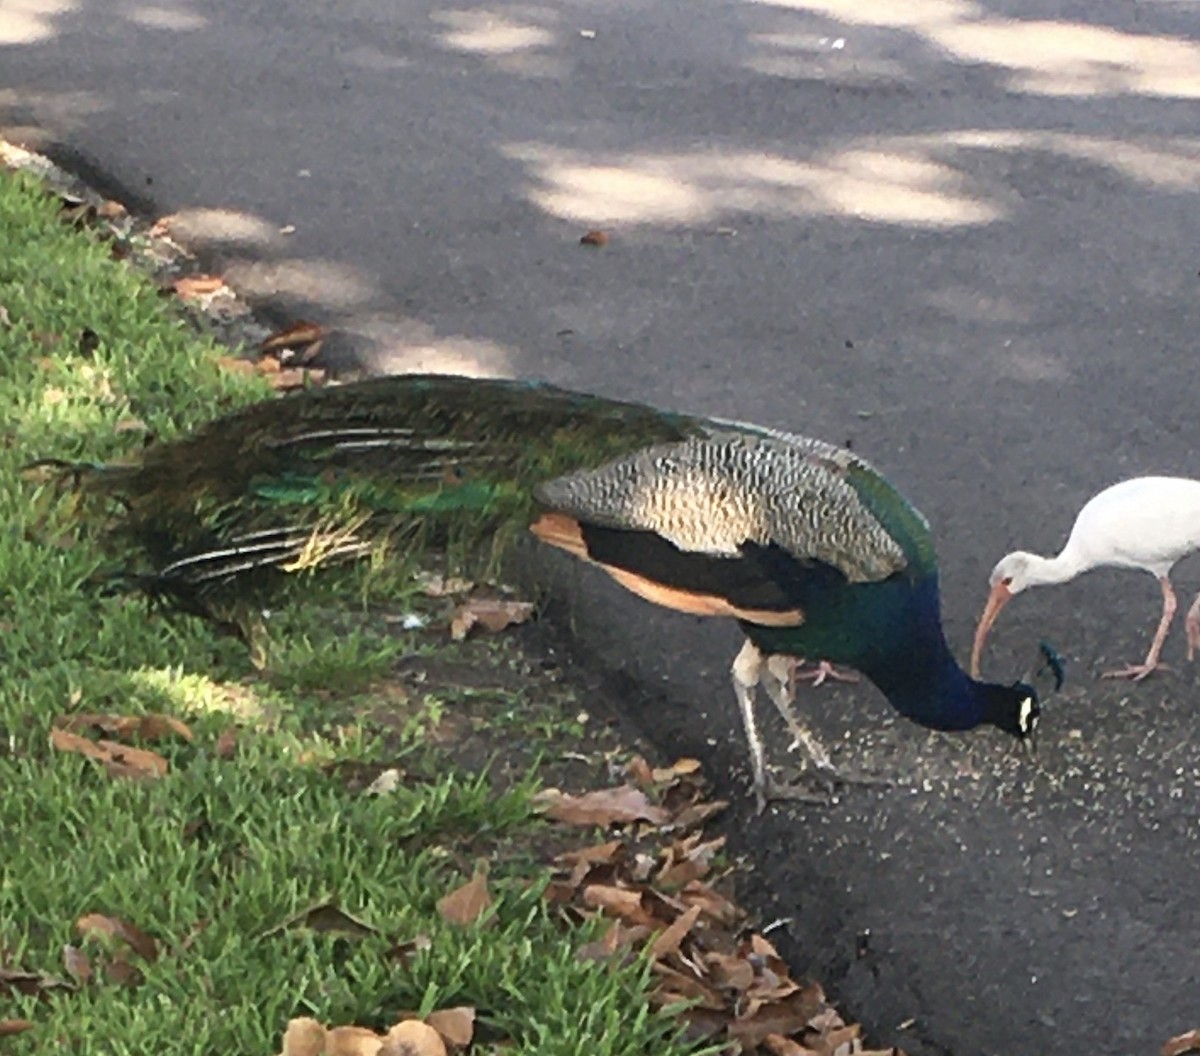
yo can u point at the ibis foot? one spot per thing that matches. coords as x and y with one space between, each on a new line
1135 672
825 672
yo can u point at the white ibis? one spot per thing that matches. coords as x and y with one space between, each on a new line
1147 522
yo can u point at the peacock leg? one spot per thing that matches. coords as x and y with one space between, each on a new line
777 682
747 672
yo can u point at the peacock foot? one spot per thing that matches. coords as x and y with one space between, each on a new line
818 785
772 791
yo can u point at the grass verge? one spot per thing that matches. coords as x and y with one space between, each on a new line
184 903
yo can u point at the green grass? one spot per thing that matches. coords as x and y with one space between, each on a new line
225 848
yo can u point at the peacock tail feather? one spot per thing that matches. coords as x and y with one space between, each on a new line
392 466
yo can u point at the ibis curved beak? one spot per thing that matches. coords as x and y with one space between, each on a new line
997 599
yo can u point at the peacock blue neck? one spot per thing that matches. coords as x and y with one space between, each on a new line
891 632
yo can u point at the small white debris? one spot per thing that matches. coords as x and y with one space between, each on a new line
4 319
588 34
1069 913
288 229
304 174
838 44
728 232
582 718
386 782
907 1024
778 922
412 621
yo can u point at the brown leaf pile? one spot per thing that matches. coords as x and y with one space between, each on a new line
70 734
109 949
656 887
438 1034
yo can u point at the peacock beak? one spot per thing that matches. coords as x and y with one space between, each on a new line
997 599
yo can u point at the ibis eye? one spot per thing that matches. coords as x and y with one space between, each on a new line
1007 581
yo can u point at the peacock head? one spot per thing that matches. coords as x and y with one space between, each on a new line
1011 575
1016 710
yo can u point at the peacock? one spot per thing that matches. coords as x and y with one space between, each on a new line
804 544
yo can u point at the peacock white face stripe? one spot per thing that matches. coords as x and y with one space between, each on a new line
1027 717
713 493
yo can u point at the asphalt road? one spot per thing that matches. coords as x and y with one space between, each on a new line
962 236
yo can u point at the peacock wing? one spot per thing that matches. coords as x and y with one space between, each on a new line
714 494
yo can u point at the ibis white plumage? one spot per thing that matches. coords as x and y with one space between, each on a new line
1148 523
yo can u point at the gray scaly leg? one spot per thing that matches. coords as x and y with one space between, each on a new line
777 681
747 671
780 688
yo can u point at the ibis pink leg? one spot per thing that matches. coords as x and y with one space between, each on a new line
1137 672
1192 625
825 671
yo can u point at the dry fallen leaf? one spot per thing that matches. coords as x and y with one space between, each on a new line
778 1045
352 1041
467 903
785 1017
492 614
387 782
595 237
15 981
1182 1043
295 377
668 940
324 918
111 210
304 1037
151 727
99 924
78 966
413 1038
680 768
121 972
120 760
293 337
226 746
455 1025
9 1027
602 807
434 585
234 365
197 285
